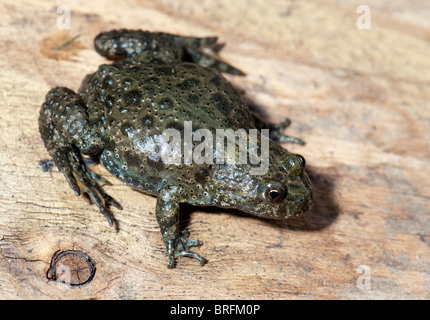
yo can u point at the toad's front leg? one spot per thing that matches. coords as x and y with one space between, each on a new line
167 212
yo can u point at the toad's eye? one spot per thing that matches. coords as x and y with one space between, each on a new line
274 193
301 160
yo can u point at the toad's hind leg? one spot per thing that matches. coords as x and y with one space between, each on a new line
203 51
66 131
137 46
207 59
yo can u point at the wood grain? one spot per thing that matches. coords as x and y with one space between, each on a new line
359 98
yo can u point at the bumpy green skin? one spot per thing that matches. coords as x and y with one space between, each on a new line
121 109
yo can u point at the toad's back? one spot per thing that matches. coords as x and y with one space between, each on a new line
138 102
157 97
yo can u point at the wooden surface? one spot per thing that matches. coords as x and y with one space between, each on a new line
360 99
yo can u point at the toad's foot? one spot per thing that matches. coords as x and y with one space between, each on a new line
80 178
276 130
204 52
207 58
180 247
167 213
277 135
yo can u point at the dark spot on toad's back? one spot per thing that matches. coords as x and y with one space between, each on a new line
164 71
201 175
193 98
222 103
95 81
188 84
132 158
108 82
159 165
109 101
133 97
151 80
165 103
127 129
148 121
216 81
